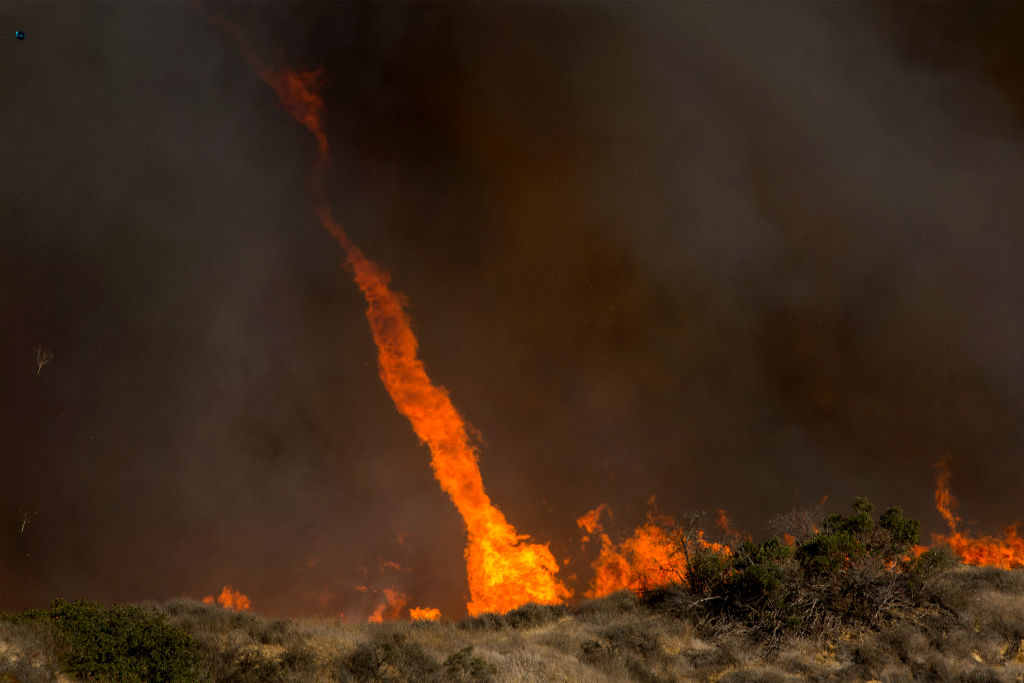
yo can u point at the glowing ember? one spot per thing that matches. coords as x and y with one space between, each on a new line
424 614
504 569
1006 551
229 598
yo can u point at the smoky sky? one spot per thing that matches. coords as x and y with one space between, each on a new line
734 256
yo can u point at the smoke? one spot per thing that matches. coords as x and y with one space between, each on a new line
789 240
736 257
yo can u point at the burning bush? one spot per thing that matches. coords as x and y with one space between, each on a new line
849 570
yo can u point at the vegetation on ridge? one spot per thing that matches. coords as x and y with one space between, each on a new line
828 598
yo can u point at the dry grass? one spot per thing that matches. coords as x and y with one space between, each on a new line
969 627
27 653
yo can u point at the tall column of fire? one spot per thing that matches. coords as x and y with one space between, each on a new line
504 569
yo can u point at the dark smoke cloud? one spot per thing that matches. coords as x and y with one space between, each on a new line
736 257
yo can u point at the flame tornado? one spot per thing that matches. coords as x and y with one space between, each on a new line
504 569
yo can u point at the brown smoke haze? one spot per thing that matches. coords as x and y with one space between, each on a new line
733 257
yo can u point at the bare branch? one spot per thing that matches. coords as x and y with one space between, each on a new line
43 356
799 524
25 518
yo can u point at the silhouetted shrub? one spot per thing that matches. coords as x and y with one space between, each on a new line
268 631
526 616
488 621
601 610
903 531
848 570
532 615
298 658
389 656
250 665
631 647
465 666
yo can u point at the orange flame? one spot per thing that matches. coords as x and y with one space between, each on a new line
504 570
652 556
590 523
424 614
944 500
724 526
390 611
298 91
229 598
1005 552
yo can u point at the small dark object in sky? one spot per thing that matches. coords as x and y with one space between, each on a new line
19 34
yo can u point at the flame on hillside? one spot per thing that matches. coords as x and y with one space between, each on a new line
727 530
424 614
229 598
392 609
652 556
1005 552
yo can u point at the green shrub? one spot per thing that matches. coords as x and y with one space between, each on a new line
122 643
904 532
849 570
705 568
